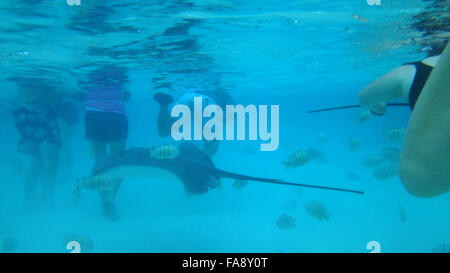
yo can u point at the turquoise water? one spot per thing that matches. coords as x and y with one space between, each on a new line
300 55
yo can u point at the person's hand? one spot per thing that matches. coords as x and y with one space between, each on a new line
379 109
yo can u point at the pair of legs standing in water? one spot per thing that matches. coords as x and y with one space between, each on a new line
43 167
108 198
107 133
40 140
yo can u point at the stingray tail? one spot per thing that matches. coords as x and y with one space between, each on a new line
352 106
221 173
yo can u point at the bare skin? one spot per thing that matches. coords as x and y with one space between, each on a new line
100 150
67 162
393 85
424 162
423 166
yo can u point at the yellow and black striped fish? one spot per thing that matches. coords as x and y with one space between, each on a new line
297 159
165 152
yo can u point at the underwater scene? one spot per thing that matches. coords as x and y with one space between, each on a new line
237 126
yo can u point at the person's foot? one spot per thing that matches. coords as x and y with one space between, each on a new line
163 99
109 211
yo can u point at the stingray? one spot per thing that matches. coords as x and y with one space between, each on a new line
192 167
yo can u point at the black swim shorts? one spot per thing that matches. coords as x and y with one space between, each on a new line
106 126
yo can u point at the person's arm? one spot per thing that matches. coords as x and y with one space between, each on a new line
424 162
392 85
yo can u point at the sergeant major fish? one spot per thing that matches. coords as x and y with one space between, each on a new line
391 154
285 222
353 144
364 116
297 159
101 183
165 152
386 172
394 135
372 161
316 210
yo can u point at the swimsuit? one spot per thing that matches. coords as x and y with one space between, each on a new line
420 78
105 100
37 123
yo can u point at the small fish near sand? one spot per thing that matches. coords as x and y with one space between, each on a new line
98 183
353 144
101 183
372 161
239 184
86 244
318 211
316 154
386 172
285 222
363 116
9 245
297 159
391 154
165 152
394 135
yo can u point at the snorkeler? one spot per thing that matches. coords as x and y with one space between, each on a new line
209 97
106 122
36 119
423 165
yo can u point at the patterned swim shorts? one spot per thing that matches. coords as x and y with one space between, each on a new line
36 123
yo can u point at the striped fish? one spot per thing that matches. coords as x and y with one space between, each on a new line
353 144
98 183
165 152
394 135
386 172
391 154
316 210
297 159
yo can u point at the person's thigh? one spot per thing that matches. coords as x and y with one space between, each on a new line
117 146
99 149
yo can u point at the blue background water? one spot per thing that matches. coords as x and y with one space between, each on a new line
298 54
